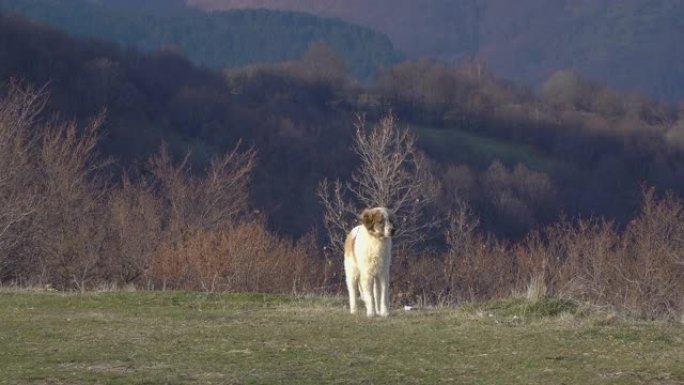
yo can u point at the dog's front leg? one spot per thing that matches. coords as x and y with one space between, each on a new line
368 293
377 295
382 297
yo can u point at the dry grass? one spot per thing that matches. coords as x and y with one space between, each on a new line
180 338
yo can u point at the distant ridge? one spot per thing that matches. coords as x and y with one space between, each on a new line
627 44
217 39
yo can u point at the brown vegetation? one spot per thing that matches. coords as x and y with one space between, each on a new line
637 269
68 218
392 174
66 224
579 146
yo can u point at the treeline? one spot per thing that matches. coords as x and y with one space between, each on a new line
217 39
628 44
294 122
576 147
68 222
520 158
636 269
90 195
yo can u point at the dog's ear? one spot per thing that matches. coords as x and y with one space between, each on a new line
367 218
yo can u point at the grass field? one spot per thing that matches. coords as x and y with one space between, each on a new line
481 151
179 338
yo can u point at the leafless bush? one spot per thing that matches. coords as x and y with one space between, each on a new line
244 257
51 193
394 174
172 212
339 214
135 226
208 201
475 267
637 270
651 268
575 258
19 197
74 195
463 240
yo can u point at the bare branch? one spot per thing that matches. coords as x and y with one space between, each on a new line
394 174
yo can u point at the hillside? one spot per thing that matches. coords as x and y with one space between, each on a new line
217 40
518 158
418 28
292 121
632 44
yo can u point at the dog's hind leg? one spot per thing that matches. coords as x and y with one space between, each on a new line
352 275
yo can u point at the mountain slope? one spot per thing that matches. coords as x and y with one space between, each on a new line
586 151
416 27
629 44
292 121
221 39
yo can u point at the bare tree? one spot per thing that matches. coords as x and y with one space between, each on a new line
339 214
392 173
208 201
72 219
225 187
51 193
462 239
19 109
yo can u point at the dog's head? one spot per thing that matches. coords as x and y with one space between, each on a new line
379 221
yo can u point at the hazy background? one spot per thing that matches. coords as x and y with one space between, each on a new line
631 44
527 109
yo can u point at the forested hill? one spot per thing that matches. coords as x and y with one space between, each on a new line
520 159
629 44
217 39
291 120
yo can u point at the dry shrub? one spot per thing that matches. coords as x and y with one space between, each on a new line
70 217
19 197
64 224
572 257
638 270
479 269
51 193
485 273
650 269
135 232
419 281
475 267
242 258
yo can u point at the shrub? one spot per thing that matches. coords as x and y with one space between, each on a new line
242 258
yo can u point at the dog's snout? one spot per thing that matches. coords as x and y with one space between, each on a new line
392 230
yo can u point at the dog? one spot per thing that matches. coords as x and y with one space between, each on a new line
367 257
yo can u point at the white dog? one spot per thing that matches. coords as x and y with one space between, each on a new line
367 257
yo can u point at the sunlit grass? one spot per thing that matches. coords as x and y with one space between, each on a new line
482 150
178 338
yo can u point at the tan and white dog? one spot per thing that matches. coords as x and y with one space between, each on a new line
367 257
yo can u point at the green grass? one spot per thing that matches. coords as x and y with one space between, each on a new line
180 338
482 150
